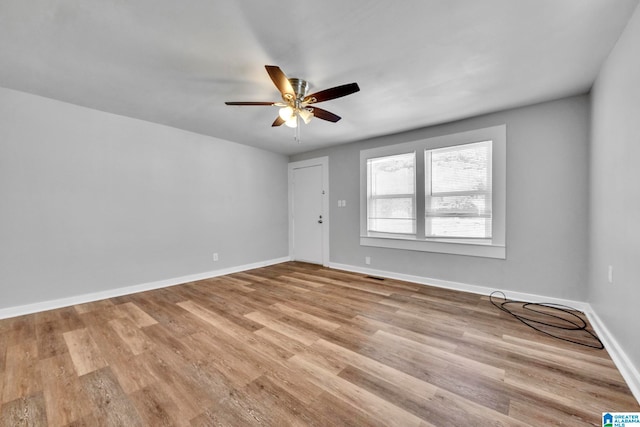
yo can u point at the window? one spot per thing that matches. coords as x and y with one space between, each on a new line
458 191
444 194
391 194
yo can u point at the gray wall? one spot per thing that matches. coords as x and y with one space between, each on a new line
91 201
547 173
614 226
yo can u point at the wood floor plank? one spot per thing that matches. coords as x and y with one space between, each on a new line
532 415
368 288
156 408
178 384
459 362
231 309
430 338
113 406
414 402
21 373
3 351
305 337
240 369
131 372
297 344
307 317
84 352
355 396
137 315
335 412
236 337
92 306
279 340
131 335
66 401
19 329
28 411
377 369
291 407
50 340
245 407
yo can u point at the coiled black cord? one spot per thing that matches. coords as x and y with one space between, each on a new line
573 323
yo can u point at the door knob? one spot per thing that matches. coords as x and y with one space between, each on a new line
320 220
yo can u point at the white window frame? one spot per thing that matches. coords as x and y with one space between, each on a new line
489 248
428 178
411 196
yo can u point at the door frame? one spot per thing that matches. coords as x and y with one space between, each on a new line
323 162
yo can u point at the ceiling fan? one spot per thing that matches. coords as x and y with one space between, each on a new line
296 105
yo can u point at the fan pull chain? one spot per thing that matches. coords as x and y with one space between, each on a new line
296 135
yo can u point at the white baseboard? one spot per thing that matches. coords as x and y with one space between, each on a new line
459 286
111 293
623 363
626 367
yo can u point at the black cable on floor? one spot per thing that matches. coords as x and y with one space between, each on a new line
574 323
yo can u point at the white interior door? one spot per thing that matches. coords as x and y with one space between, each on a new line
308 219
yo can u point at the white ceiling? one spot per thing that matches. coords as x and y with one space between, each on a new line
417 62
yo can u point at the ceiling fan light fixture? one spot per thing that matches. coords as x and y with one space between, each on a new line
292 122
305 115
285 113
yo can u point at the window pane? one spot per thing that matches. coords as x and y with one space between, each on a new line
392 174
392 215
391 188
458 191
460 168
400 226
460 227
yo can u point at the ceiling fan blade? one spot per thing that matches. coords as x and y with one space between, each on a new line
279 121
250 103
280 80
332 93
325 115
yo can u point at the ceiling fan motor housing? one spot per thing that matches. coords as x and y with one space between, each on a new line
300 87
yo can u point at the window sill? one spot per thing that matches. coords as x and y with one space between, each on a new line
468 248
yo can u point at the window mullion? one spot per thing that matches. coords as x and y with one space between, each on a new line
420 191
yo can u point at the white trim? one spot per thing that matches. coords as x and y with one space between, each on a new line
460 286
495 248
629 372
457 248
111 293
323 162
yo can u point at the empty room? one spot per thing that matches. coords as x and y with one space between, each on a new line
338 213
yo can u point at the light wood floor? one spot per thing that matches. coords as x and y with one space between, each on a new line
296 344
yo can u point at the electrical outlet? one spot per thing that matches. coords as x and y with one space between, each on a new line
215 256
344 203
610 274
367 260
